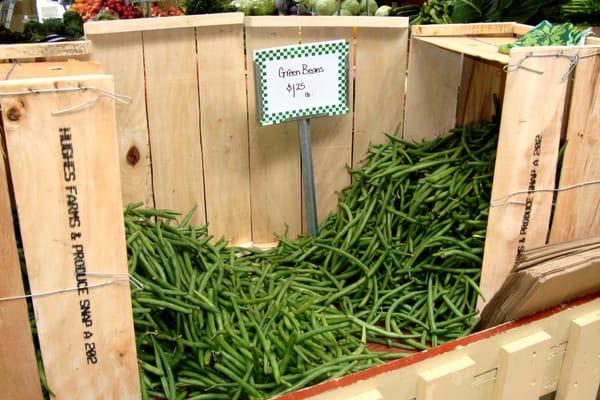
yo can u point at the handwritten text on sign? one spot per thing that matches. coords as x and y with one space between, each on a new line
301 81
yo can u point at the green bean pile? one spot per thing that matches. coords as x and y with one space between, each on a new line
397 264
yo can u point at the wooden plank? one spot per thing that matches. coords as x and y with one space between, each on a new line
161 24
520 368
526 160
48 69
331 138
19 379
592 40
463 29
450 380
381 62
480 47
431 95
42 50
580 374
326 21
224 127
66 180
275 178
480 81
577 211
521 29
174 121
122 56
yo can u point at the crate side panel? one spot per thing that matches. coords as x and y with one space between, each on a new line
275 177
66 178
577 212
381 62
224 127
121 55
19 379
174 121
432 91
526 161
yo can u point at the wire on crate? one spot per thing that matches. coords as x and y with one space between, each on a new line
119 98
574 60
505 200
117 277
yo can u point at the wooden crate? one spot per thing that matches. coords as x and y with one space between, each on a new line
455 71
65 175
191 137
29 52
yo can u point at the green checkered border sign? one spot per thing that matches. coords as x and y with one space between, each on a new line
261 57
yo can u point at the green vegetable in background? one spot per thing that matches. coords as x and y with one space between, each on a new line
383 11
372 6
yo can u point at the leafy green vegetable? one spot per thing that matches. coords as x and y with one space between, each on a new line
547 34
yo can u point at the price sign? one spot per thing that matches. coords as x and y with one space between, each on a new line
303 81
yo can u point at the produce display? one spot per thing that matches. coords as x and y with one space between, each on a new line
397 264
69 27
529 11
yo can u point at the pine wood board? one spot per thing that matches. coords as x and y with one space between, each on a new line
331 138
174 121
19 379
480 81
381 63
434 76
42 50
9 71
122 56
161 24
275 177
523 165
577 211
481 47
224 129
77 365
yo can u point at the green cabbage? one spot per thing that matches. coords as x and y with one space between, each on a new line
383 11
351 6
326 7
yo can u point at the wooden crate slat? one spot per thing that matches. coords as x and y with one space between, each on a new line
19 379
275 177
463 29
48 69
43 50
449 379
431 93
52 159
224 130
577 212
160 24
481 47
580 374
480 81
520 370
527 155
174 120
331 138
381 62
122 56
